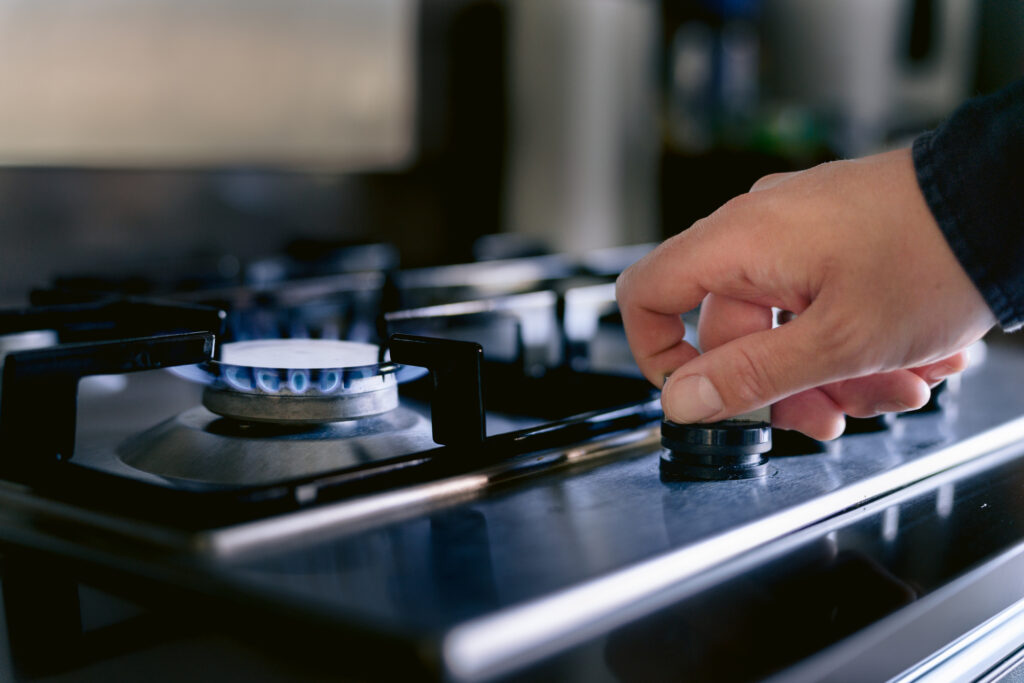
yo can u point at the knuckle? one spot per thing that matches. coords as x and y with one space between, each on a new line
727 220
764 180
760 216
700 227
739 204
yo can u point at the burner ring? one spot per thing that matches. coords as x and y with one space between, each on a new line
291 409
300 381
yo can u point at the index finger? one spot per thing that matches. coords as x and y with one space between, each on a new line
669 281
655 332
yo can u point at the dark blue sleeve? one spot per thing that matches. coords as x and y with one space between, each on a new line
971 171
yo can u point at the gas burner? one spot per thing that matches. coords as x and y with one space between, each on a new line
300 381
291 414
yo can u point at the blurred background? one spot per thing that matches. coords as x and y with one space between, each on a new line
189 141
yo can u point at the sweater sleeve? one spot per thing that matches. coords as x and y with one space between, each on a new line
971 171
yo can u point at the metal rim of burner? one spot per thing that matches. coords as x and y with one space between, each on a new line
730 449
300 395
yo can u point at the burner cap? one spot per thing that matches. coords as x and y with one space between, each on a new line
300 381
730 449
299 354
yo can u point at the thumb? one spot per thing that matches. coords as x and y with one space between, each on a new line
752 371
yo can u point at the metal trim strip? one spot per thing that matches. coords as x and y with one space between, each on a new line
498 643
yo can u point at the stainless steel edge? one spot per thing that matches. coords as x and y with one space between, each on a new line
492 645
390 506
976 653
905 639
1011 666
18 504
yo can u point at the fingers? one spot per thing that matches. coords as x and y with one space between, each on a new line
655 334
895 391
933 373
724 318
752 371
660 365
817 412
885 392
675 278
811 412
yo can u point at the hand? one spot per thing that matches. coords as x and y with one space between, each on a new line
883 308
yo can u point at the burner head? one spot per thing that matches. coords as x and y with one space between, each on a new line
300 381
730 449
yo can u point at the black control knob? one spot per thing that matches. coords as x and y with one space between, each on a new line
867 425
786 442
730 449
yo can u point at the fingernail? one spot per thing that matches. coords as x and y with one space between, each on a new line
691 399
891 407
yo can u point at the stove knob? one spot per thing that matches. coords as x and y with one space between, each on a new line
730 449
787 442
866 425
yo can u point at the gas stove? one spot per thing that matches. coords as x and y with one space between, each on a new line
453 473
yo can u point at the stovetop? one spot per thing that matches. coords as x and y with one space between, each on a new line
553 549
555 371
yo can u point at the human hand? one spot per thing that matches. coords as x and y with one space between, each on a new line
883 308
